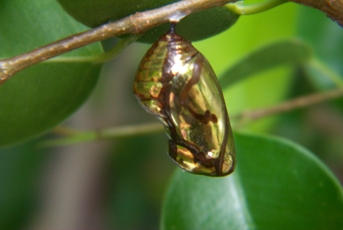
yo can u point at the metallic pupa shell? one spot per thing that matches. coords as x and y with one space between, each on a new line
177 84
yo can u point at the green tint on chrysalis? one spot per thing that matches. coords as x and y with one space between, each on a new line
177 84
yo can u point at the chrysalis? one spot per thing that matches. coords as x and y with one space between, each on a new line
177 84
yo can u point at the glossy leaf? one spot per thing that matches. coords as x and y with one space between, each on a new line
40 97
277 185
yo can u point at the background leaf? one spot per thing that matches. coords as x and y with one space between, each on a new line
326 39
277 184
20 170
42 96
288 52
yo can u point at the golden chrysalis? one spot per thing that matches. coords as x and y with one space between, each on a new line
177 84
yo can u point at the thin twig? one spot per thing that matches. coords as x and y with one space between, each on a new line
301 102
71 136
134 24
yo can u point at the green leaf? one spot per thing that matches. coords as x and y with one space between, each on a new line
287 52
277 185
42 96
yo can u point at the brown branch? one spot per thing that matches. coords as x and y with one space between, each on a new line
301 102
332 8
135 24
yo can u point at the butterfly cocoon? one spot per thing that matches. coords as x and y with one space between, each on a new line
176 83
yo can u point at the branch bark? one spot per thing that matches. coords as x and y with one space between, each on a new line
134 24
